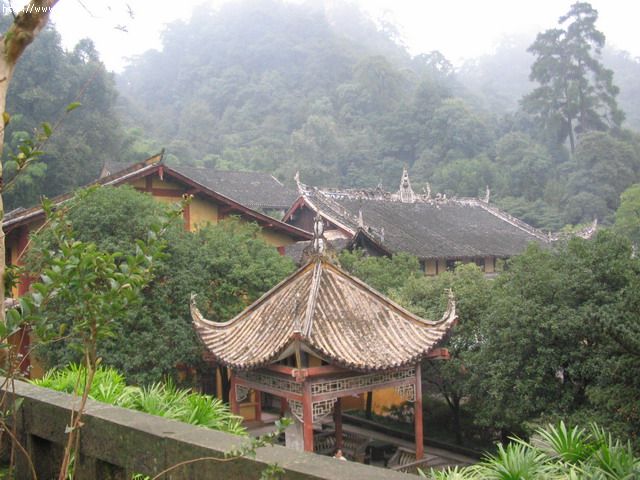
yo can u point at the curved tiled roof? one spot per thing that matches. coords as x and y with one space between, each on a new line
332 314
253 189
454 228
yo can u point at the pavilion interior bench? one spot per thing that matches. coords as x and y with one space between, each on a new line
404 460
354 446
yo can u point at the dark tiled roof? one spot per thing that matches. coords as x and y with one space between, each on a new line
253 189
333 315
430 229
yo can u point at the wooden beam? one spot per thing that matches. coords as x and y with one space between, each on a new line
267 389
284 369
439 354
166 192
326 370
303 373
233 401
418 415
307 416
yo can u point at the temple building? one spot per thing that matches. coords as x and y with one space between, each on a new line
318 339
440 231
165 184
256 190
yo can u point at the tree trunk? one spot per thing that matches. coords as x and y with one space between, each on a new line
26 26
456 420
572 140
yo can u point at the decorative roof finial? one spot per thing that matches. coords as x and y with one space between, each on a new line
382 235
406 192
360 219
318 242
487 195
428 191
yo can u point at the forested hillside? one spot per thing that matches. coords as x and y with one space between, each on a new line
47 80
264 85
280 88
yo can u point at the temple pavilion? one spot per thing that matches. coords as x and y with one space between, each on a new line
319 336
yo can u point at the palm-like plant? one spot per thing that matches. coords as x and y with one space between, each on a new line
567 445
517 461
613 458
162 399
560 454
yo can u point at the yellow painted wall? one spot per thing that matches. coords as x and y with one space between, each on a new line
202 212
164 183
276 239
138 183
248 408
430 267
385 398
488 265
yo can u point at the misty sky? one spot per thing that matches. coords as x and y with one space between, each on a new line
459 29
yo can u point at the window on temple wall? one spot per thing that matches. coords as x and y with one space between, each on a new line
451 265
480 262
423 266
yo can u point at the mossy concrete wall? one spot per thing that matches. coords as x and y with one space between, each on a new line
116 443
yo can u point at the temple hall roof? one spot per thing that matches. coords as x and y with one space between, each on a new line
324 311
425 226
255 190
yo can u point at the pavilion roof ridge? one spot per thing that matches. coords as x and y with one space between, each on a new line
325 310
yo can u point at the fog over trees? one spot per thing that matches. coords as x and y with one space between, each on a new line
280 88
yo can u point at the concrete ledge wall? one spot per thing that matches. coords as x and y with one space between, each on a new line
116 443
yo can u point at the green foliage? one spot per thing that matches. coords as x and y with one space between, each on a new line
628 214
227 265
428 297
576 93
382 273
561 337
162 399
564 454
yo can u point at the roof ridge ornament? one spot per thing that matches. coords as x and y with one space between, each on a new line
406 193
302 188
318 243
487 195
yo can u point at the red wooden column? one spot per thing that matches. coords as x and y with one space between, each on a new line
337 420
307 416
417 407
258 408
233 401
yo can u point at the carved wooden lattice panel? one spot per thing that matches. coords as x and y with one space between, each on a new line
272 381
242 393
319 409
296 409
362 381
408 392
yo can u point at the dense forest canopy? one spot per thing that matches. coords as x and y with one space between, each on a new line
277 87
